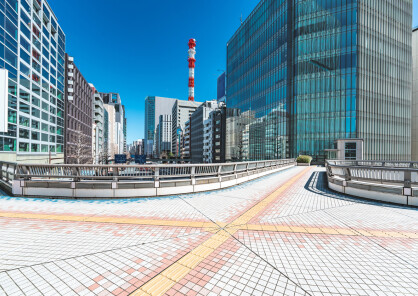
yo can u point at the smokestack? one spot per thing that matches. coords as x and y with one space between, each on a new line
192 60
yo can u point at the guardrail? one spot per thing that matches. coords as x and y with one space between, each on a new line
7 175
133 180
391 181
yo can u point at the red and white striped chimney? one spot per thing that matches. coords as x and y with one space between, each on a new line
192 60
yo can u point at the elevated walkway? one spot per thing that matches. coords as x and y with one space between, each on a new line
128 181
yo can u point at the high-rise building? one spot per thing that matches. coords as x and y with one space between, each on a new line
98 126
137 147
185 141
324 76
219 129
106 150
207 140
79 97
197 129
32 47
154 107
414 134
116 140
181 112
164 135
221 88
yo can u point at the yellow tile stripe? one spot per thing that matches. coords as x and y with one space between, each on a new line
179 269
330 231
116 220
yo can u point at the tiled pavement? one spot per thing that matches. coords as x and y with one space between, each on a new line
284 234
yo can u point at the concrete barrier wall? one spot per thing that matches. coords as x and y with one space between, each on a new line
132 189
373 191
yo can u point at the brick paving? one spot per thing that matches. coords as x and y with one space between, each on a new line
284 234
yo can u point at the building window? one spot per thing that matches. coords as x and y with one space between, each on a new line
24 147
351 151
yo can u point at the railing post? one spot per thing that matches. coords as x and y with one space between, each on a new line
407 190
76 173
157 178
26 171
235 171
347 176
192 175
7 173
219 173
115 173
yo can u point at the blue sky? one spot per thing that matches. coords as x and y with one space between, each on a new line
415 12
139 47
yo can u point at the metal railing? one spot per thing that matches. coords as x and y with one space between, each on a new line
403 173
77 173
7 173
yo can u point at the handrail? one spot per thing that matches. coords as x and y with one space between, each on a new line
154 172
390 181
388 172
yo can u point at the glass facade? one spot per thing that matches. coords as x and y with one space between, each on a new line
32 47
303 77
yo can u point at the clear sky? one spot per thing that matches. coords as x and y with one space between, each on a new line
139 47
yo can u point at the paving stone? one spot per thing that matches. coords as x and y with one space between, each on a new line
298 238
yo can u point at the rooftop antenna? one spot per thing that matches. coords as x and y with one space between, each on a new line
241 19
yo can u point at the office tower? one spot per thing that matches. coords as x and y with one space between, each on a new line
221 88
324 78
414 121
185 141
164 135
78 115
181 112
116 139
137 147
221 141
197 129
32 47
154 107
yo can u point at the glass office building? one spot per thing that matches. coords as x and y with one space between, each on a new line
32 47
309 72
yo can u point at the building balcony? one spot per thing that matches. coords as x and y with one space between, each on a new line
98 105
46 19
37 4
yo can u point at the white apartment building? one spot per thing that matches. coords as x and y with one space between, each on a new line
98 126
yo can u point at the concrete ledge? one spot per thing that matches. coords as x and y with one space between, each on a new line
373 191
132 189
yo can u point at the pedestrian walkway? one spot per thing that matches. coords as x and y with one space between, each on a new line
284 234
